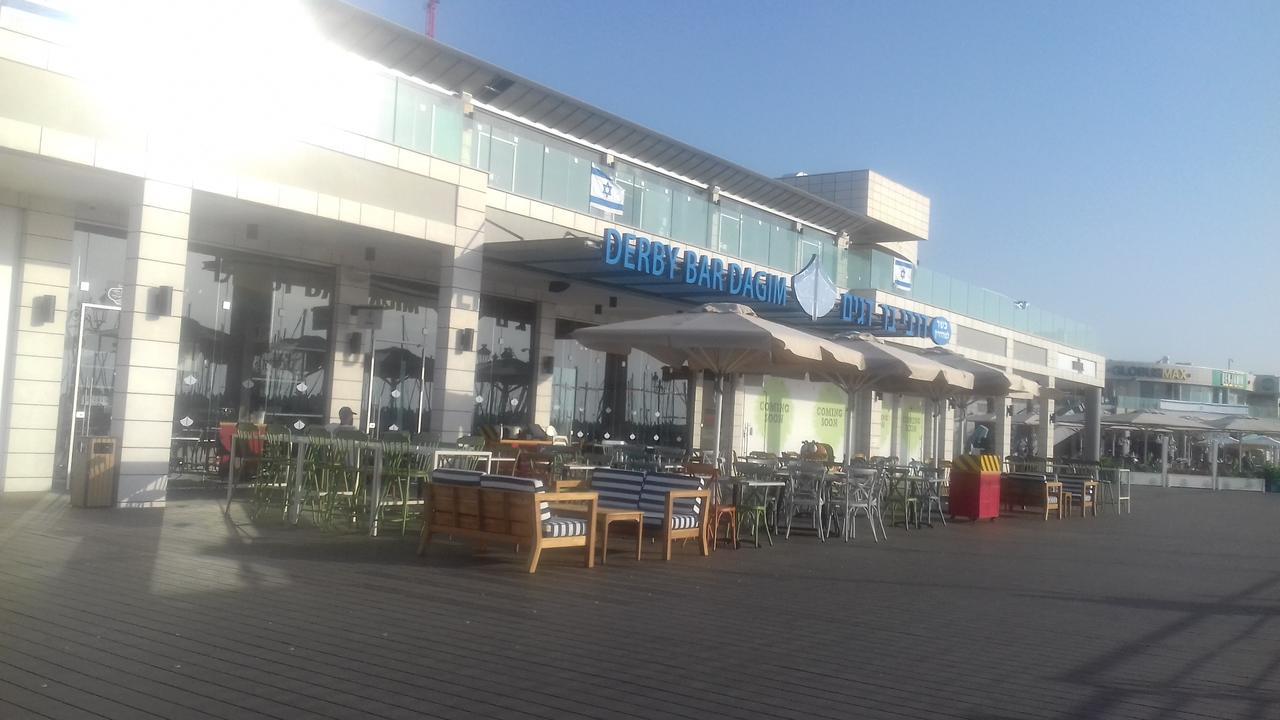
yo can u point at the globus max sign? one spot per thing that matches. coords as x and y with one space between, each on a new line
687 266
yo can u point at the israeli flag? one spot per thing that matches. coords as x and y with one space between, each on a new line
902 272
606 195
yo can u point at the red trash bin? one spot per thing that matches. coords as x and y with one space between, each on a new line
975 487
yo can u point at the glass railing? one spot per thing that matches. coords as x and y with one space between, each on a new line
1132 403
873 269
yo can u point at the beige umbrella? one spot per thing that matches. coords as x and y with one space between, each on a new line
724 338
890 368
988 381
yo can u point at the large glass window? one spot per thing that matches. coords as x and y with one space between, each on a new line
504 362
755 239
657 408
729 239
92 336
428 122
365 103
401 368
783 246
578 387
566 179
690 215
254 345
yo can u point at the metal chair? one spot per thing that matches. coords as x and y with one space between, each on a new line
928 497
404 473
806 493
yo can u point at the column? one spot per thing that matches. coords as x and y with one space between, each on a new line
147 354
696 392
948 424
38 348
930 432
453 391
544 346
1002 443
736 431
895 426
346 388
1044 432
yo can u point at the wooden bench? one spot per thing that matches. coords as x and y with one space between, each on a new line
1031 490
506 510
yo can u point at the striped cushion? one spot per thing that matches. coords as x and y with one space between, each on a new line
559 526
1075 485
453 476
679 521
619 489
653 501
518 484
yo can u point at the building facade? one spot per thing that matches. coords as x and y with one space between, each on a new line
1135 385
363 221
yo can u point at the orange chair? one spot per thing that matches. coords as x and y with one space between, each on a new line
719 509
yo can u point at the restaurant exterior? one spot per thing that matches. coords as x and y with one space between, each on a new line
409 235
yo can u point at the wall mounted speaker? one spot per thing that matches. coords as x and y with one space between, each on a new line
548 364
160 301
43 308
465 339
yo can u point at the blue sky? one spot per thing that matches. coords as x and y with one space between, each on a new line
1116 162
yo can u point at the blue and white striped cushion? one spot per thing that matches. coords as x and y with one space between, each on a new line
653 500
559 526
1075 485
518 484
684 521
453 476
618 489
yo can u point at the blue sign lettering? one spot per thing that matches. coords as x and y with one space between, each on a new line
612 247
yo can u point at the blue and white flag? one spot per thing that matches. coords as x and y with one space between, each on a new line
902 272
606 195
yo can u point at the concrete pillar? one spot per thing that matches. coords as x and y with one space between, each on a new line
348 372
697 394
147 354
930 448
10 243
544 346
865 424
1044 432
738 418
895 426
35 359
453 391
947 421
1002 443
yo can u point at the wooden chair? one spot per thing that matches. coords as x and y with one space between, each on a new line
1079 489
720 508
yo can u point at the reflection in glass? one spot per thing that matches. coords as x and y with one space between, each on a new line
92 335
254 344
504 366
400 371
578 386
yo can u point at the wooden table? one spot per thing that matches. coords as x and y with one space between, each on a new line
605 516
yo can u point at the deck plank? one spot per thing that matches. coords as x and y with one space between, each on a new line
1169 612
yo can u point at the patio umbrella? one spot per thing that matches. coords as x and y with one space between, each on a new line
1245 424
724 338
889 368
1154 420
988 381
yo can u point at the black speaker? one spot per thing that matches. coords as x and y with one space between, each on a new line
355 343
43 308
548 364
465 339
160 301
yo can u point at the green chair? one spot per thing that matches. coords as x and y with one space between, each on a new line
273 481
405 473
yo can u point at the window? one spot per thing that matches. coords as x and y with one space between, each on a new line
427 122
690 216
504 362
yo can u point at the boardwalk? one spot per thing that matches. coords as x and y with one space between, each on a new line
1171 612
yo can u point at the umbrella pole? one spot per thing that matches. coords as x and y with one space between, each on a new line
850 411
719 391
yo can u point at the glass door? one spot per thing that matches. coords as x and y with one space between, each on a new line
94 375
398 382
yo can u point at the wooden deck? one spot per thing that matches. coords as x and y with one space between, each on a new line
1171 612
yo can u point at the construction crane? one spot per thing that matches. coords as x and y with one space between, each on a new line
431 6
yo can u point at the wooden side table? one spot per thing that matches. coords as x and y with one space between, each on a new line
605 516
